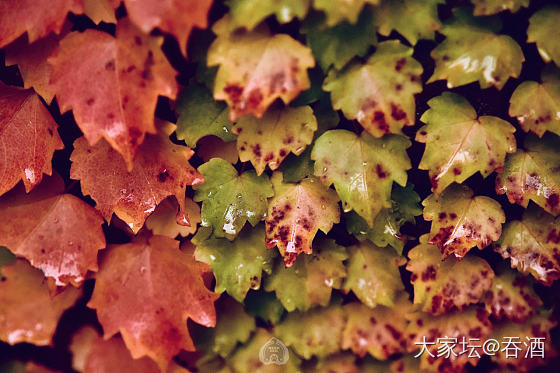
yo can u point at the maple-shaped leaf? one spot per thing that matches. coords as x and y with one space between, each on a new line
57 232
386 227
532 245
461 221
238 264
229 200
199 115
470 323
413 19
101 10
536 105
336 46
112 93
512 296
362 168
373 274
478 144
310 280
532 174
379 331
28 313
146 290
37 19
249 13
317 333
268 140
256 68
160 169
163 221
472 51
379 93
489 7
213 147
442 286
342 10
542 31
29 138
295 214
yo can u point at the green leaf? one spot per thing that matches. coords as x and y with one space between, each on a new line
461 221
362 168
379 93
478 144
309 282
268 140
265 306
249 13
342 10
543 31
489 7
373 274
472 51
199 115
229 199
296 168
233 326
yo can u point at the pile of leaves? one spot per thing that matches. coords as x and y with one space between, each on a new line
183 180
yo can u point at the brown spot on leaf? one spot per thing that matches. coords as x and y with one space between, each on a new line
381 173
400 64
396 112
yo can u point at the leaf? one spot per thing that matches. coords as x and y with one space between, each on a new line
310 280
342 10
37 19
256 68
512 296
373 274
229 200
317 333
249 13
112 93
146 290
362 169
296 213
472 51
461 221
441 286
532 174
199 116
57 232
296 168
238 264
379 331
160 169
478 143
265 306
413 19
488 7
536 105
268 140
532 245
387 224
29 138
541 24
337 363
163 221
213 147
336 46
27 311
101 10
176 17
380 93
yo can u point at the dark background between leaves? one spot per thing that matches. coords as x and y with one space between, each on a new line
486 102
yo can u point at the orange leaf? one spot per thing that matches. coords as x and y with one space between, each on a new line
112 92
147 289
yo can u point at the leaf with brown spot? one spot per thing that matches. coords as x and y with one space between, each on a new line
532 174
478 143
163 221
296 213
442 286
28 313
270 139
112 93
161 169
461 221
309 282
379 93
256 68
532 244
342 10
146 290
